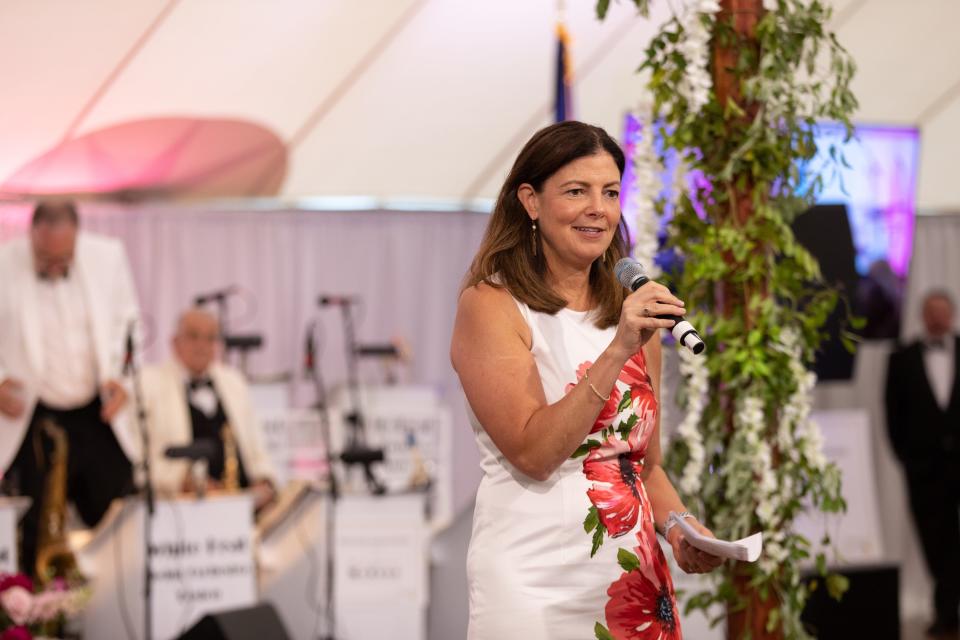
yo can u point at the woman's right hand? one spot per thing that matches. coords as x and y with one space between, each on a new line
638 321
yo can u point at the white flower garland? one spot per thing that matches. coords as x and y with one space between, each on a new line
694 370
696 22
647 170
798 436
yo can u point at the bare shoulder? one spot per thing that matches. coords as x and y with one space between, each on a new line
486 314
488 303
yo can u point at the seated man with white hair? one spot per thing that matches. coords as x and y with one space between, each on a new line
193 397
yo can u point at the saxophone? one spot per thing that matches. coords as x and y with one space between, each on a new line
231 463
54 557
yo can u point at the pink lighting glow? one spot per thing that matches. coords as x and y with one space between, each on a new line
160 157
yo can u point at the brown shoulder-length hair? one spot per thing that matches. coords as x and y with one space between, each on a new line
506 257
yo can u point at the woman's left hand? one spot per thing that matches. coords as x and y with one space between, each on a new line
689 558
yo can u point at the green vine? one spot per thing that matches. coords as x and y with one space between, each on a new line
747 278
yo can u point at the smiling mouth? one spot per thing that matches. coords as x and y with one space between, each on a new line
590 230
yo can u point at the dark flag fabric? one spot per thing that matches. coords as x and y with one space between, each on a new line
563 98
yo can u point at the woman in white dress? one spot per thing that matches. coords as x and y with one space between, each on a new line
562 380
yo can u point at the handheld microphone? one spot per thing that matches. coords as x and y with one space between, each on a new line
214 296
631 275
328 300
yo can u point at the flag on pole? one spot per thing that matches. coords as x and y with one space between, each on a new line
563 98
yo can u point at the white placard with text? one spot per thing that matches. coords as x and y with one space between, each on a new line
294 442
414 430
202 560
381 567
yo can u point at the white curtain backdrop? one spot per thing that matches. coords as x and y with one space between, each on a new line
405 266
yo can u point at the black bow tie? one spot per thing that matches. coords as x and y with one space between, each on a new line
199 383
46 277
935 343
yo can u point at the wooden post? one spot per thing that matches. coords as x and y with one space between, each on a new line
743 16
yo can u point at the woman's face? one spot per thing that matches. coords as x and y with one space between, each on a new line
577 211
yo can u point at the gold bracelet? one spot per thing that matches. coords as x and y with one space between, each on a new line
586 376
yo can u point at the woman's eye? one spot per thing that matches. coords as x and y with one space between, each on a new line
575 192
613 193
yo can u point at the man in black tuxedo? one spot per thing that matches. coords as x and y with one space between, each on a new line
923 420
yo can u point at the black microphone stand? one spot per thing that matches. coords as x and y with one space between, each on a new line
356 450
130 368
322 407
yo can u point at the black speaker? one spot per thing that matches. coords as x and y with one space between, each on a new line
250 623
824 231
869 609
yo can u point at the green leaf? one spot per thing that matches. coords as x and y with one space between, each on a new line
837 585
773 618
628 561
821 564
624 402
602 7
597 538
592 520
585 448
601 632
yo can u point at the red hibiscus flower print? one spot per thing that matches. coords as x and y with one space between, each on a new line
642 605
617 492
609 411
634 373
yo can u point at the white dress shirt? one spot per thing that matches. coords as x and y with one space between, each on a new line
938 363
69 377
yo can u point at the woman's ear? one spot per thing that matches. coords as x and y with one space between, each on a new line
527 196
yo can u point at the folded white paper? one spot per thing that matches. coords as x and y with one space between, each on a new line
747 549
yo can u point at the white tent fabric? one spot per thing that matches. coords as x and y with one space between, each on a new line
415 99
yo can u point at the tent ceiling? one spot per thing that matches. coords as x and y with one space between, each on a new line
421 99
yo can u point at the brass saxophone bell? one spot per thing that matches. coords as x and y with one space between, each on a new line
54 557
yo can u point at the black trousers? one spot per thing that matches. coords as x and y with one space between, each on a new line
97 470
934 493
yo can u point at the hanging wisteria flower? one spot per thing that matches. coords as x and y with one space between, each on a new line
647 169
797 434
697 24
695 373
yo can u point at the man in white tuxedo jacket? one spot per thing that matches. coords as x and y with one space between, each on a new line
67 302
192 397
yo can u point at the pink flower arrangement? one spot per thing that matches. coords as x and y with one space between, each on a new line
25 612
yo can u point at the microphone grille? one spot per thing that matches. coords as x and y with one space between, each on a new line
627 271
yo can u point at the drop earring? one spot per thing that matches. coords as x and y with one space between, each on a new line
533 237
